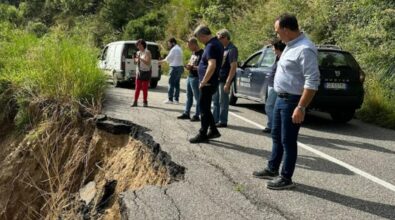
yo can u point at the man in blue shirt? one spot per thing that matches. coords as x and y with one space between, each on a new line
208 71
226 75
296 82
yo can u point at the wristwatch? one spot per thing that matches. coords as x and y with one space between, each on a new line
302 109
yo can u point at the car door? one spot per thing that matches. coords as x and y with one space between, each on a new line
259 74
245 74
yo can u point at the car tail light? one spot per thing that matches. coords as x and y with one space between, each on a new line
362 75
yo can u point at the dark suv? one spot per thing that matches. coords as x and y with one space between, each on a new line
340 92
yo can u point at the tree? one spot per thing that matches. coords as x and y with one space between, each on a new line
149 27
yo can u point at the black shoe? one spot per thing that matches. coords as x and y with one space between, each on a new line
184 116
199 138
145 104
267 130
195 118
221 125
280 183
265 174
213 134
134 104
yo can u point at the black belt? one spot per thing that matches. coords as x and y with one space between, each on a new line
283 95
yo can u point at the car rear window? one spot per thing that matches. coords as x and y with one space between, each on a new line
335 59
131 49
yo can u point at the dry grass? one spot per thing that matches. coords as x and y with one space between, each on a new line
42 171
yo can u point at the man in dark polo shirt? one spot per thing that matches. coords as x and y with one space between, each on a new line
226 75
193 81
208 71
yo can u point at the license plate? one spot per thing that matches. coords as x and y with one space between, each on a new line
336 86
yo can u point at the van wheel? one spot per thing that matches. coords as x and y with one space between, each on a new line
115 81
342 116
233 98
154 83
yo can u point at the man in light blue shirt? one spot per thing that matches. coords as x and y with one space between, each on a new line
296 82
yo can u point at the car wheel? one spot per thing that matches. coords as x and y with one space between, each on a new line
115 81
233 98
342 116
153 83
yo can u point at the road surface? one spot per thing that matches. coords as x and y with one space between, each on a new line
344 171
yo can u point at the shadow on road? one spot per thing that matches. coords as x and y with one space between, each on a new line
321 121
304 162
379 209
167 109
334 144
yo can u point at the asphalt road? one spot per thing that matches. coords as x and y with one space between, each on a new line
344 171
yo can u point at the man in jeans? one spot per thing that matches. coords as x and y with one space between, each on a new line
296 82
208 72
278 48
193 81
175 60
227 72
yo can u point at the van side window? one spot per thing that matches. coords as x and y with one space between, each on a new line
131 50
155 53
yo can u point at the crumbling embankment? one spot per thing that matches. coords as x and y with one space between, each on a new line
63 169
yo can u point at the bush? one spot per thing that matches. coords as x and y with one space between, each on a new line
378 106
55 67
38 28
149 27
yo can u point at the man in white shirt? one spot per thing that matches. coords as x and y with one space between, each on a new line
176 62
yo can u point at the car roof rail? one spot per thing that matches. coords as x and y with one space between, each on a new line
329 46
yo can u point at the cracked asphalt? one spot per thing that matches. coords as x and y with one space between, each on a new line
218 183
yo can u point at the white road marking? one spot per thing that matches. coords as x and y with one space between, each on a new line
330 158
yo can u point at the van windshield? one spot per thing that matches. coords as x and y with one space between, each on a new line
131 49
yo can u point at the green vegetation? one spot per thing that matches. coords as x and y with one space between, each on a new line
366 28
55 69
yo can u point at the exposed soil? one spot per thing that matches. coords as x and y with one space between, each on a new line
41 171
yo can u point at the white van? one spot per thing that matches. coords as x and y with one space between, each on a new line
117 61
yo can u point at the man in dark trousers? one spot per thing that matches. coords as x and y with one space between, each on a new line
296 82
208 71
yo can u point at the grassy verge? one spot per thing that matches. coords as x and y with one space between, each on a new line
49 86
53 69
378 106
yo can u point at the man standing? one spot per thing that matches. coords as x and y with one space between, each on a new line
175 60
193 81
208 72
296 82
227 72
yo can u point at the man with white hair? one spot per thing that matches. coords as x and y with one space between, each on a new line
226 75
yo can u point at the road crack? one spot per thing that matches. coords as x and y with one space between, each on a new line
245 195
174 204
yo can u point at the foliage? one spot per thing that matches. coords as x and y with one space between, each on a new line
366 28
149 27
55 67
